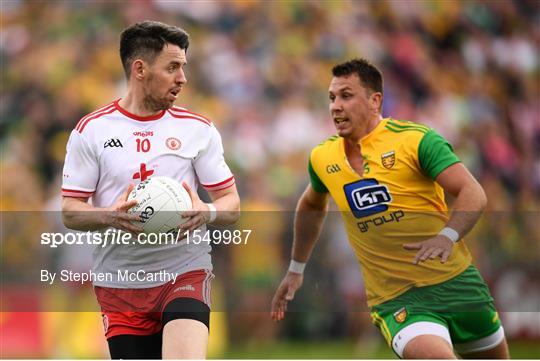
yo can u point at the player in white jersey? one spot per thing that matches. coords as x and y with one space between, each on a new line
133 138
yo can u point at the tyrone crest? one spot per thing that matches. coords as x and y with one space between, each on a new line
388 159
173 143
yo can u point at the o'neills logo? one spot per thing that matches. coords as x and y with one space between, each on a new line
105 323
143 134
185 288
173 143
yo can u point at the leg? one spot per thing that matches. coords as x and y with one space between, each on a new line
493 346
498 352
135 346
185 332
130 334
185 339
424 339
428 347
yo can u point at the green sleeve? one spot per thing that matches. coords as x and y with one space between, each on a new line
435 154
316 182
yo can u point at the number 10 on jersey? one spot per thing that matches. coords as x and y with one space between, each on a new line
143 145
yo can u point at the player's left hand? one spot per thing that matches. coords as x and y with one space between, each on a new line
438 246
199 213
284 294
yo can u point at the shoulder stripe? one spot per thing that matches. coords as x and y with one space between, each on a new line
185 112
192 113
92 113
397 130
330 139
407 125
106 107
189 116
109 111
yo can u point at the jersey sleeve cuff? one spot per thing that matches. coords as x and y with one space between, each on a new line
229 182
66 192
438 170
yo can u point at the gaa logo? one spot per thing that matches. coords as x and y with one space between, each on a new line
114 142
332 168
367 197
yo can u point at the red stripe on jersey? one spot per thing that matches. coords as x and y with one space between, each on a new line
220 188
76 193
184 110
221 185
106 107
111 110
188 115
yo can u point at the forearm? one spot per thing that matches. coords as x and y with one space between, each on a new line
227 208
308 222
81 216
467 209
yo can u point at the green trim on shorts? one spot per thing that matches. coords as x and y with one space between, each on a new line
462 304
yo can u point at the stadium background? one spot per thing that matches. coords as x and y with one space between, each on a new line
260 70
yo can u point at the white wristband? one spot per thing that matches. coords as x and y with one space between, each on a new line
450 233
213 212
297 267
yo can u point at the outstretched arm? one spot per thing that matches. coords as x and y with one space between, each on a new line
309 218
468 207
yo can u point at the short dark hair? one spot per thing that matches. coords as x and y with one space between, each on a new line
368 73
146 39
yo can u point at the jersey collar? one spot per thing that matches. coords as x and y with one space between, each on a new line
136 117
374 131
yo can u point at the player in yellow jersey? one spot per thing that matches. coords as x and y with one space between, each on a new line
388 178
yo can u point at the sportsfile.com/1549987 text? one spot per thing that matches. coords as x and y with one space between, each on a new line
118 237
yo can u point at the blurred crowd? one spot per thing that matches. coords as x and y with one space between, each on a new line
260 71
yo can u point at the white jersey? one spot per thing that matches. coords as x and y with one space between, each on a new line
110 148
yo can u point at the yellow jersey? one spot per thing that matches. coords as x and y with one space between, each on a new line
395 201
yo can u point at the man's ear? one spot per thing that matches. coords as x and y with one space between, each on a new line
138 69
375 101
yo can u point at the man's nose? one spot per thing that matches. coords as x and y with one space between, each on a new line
336 106
181 77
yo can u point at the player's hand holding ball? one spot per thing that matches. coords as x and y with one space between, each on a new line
160 203
117 215
199 213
